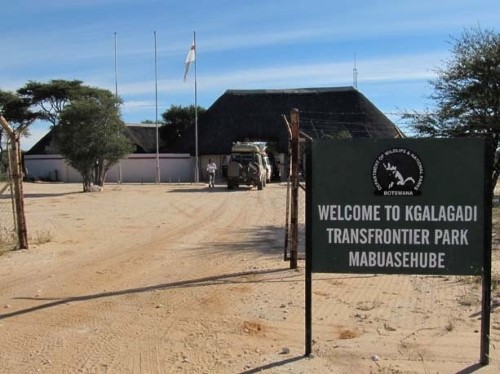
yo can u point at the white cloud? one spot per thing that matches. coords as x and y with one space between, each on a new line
392 68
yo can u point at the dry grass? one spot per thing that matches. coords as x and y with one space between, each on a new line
495 282
469 298
495 222
387 370
7 240
450 325
42 237
366 306
252 327
349 334
469 279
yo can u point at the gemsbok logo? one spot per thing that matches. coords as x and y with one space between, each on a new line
398 172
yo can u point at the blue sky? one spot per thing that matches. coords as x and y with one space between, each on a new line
241 44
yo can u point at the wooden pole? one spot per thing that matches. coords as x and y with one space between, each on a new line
287 212
294 178
17 178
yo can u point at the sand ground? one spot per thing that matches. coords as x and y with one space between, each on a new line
183 279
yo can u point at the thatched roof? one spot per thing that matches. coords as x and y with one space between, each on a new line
256 115
142 136
47 145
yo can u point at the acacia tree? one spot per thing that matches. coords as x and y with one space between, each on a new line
17 111
466 92
91 136
49 99
36 100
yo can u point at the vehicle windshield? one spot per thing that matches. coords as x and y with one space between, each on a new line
244 158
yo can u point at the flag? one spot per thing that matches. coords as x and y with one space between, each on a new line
191 56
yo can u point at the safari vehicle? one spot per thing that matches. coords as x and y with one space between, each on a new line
246 166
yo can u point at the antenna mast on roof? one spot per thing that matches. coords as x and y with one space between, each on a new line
355 74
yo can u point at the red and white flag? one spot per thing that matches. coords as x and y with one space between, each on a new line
191 56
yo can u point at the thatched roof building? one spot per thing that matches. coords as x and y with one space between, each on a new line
142 136
256 115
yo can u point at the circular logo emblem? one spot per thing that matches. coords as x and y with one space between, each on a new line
397 172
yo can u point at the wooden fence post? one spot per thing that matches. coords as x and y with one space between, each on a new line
17 178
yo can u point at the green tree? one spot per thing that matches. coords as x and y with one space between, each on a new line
17 111
50 98
176 121
91 136
466 92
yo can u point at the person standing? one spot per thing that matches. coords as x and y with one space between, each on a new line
211 168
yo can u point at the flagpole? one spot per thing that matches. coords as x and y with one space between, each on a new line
119 178
197 173
156 118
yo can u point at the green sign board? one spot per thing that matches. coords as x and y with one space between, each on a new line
404 206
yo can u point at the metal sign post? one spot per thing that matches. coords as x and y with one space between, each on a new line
308 270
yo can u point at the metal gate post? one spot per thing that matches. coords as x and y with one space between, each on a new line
294 115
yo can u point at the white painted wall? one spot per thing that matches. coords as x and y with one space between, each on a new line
137 168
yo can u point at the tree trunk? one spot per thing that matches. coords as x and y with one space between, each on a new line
87 181
102 178
99 173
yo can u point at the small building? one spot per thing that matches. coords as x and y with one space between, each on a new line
44 162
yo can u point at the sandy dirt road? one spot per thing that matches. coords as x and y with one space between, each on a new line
183 279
